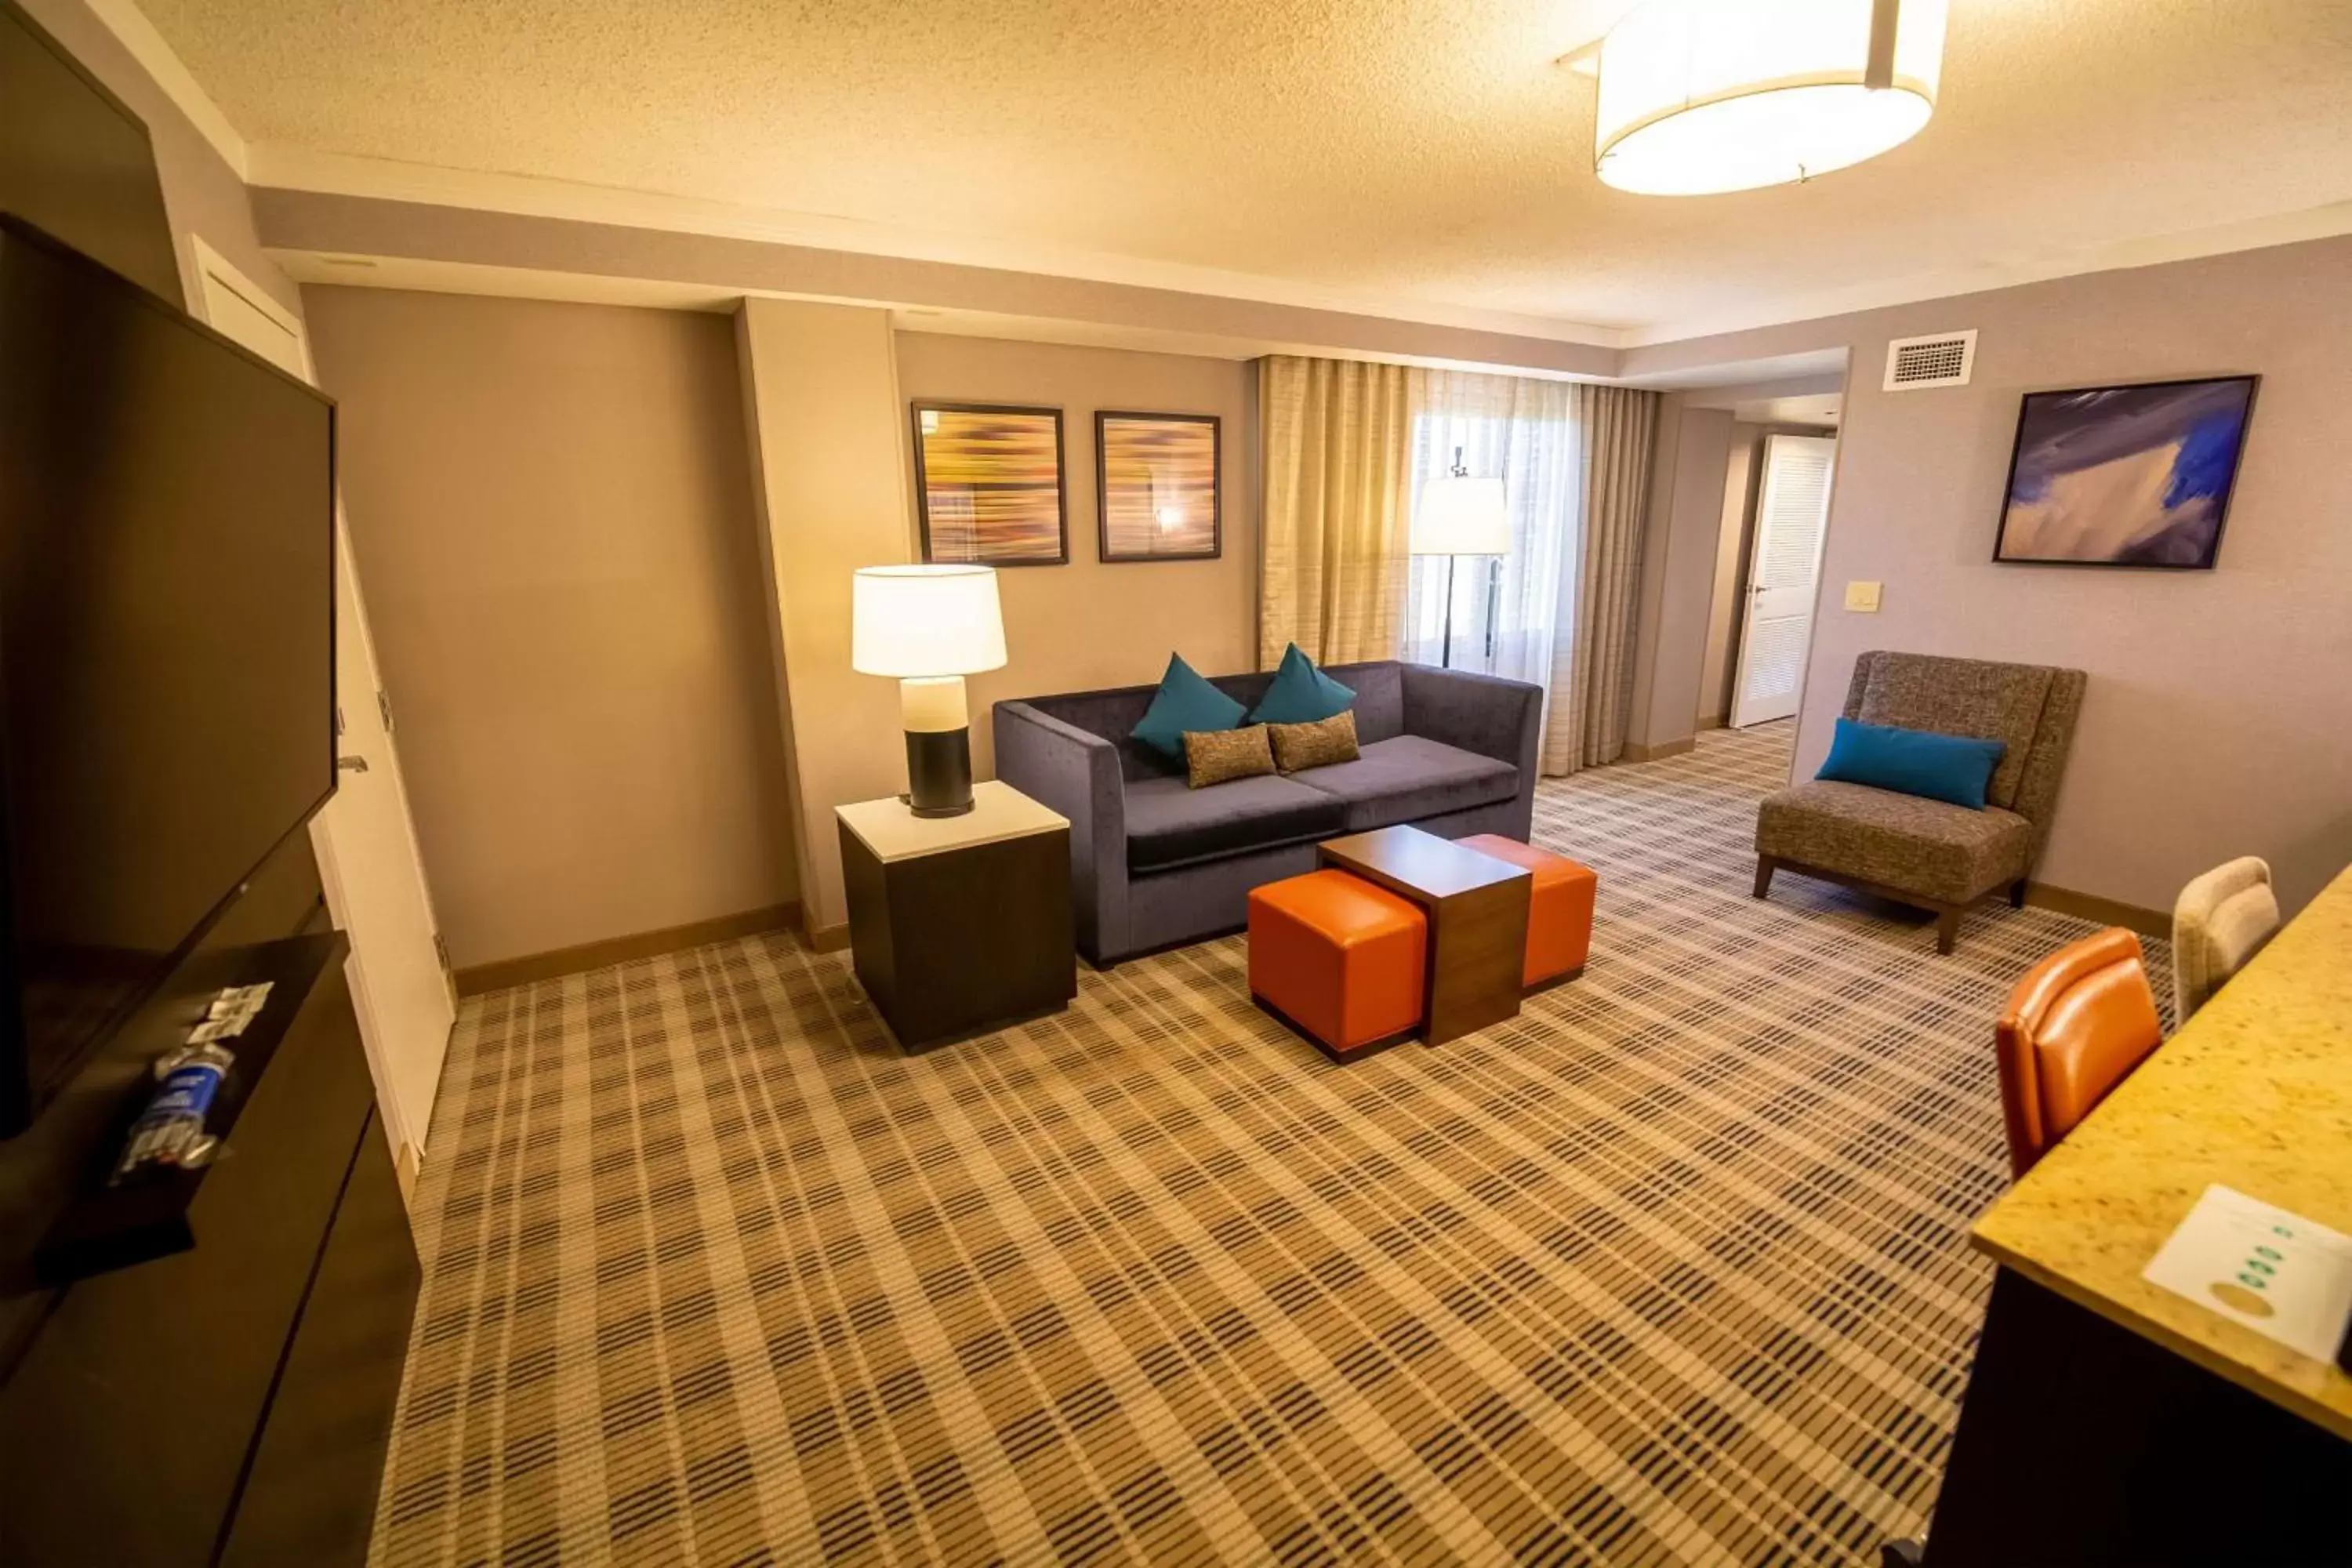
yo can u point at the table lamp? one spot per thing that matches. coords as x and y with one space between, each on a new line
1459 516
930 627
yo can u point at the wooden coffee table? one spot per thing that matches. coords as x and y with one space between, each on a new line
1478 909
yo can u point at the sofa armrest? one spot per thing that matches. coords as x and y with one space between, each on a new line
1076 774
1481 713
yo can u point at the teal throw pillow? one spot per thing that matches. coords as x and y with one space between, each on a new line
1301 694
1952 768
1186 700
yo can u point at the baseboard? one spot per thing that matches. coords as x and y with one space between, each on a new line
478 978
1635 752
826 939
2106 911
1713 722
2041 895
404 1166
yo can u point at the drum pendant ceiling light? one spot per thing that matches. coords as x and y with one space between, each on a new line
1704 96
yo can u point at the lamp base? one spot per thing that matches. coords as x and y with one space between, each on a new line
938 771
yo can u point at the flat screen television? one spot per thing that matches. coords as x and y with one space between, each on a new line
167 643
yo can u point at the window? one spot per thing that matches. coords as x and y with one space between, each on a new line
1509 613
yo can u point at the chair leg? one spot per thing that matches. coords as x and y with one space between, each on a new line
1948 927
2017 894
1765 867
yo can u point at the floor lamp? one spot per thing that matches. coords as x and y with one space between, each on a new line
1459 516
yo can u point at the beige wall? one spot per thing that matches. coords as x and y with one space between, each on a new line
1678 552
826 390
1731 550
1087 624
424 231
820 403
2219 716
551 507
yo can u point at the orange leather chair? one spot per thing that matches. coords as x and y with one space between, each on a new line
1338 960
2075 1026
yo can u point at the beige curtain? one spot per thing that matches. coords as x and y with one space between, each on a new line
1338 455
1592 665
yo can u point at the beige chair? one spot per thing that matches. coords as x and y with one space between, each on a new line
2221 919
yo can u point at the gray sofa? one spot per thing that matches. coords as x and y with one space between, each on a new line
1927 852
1156 863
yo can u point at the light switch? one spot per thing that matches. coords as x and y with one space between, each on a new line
1863 597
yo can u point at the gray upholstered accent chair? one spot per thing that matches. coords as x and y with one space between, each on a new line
1930 853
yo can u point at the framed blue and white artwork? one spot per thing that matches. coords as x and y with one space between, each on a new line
2126 475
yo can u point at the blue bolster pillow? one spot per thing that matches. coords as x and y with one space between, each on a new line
1952 768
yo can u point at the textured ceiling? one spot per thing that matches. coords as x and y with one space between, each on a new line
1411 150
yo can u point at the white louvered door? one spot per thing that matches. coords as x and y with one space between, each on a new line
1784 571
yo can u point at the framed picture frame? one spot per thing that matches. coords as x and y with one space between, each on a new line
2137 475
1158 487
987 484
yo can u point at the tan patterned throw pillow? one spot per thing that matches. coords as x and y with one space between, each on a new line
1216 755
1297 747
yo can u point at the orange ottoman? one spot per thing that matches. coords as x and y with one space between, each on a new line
1338 960
1560 907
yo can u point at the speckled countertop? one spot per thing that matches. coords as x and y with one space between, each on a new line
2255 1093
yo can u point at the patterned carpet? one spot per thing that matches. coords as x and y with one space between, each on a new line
1669 1269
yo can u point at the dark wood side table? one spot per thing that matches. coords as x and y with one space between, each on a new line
2082 1442
960 924
1478 909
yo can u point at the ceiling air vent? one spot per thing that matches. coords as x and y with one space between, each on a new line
1939 358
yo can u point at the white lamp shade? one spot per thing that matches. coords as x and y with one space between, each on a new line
1459 516
1704 96
912 621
